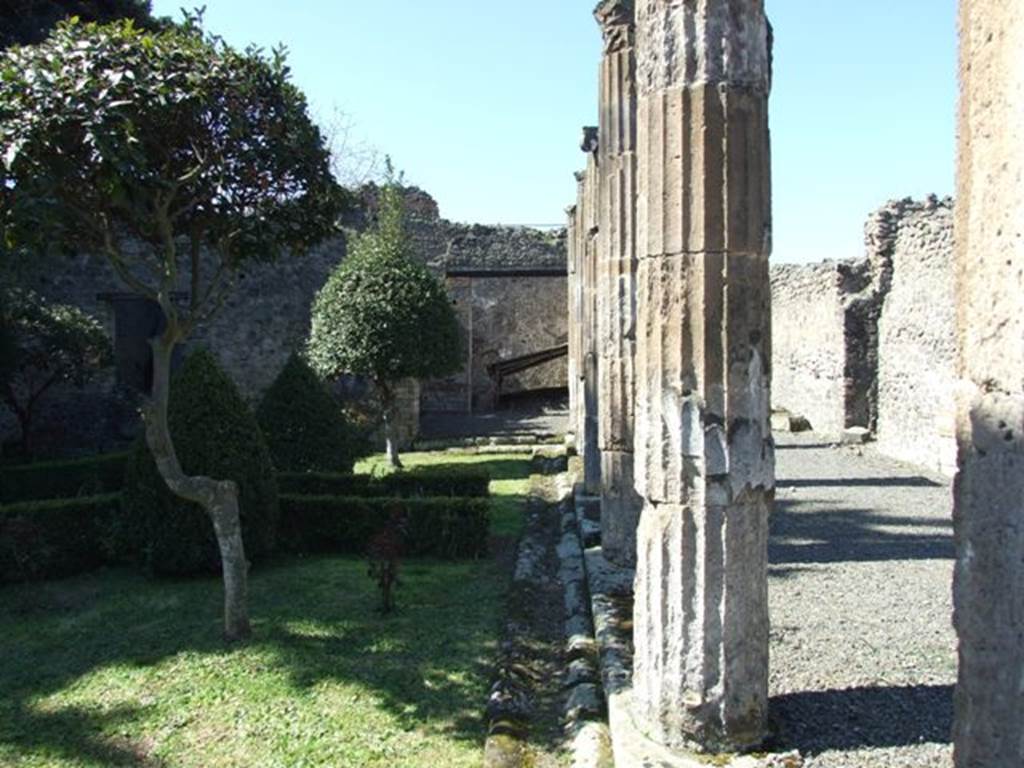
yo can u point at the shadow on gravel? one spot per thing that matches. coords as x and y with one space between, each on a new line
809 531
913 481
803 446
863 718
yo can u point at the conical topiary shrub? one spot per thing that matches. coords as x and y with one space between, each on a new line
305 428
215 434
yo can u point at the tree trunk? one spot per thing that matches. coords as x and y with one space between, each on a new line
390 438
25 424
219 498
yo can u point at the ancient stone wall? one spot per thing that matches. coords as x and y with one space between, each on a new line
503 316
808 350
870 342
917 342
267 318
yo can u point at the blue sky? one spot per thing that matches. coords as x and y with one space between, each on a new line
481 102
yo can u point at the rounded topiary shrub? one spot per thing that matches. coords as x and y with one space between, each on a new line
216 435
304 425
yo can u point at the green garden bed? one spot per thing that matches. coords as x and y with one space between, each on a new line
114 669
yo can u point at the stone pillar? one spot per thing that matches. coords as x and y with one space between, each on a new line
574 364
588 231
616 294
579 303
988 592
704 452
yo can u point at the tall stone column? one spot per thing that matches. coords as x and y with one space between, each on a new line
574 364
588 224
616 276
704 451
988 593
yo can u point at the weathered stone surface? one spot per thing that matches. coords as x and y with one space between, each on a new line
616 286
496 327
869 342
620 507
587 275
705 456
917 341
989 495
808 345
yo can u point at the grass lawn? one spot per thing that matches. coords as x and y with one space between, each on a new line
112 669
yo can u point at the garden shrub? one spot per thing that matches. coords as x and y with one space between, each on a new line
447 528
471 483
63 479
54 538
305 427
216 435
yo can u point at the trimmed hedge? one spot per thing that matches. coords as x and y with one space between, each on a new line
448 528
216 435
473 483
305 427
56 538
63 479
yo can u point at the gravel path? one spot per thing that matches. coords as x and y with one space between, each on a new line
863 650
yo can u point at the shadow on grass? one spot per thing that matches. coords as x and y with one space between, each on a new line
316 625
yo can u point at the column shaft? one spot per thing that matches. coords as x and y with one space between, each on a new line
616 284
988 517
704 452
589 251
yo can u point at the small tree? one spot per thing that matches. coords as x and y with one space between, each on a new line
383 315
43 344
178 159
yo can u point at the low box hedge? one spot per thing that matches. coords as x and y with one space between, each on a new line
439 527
63 479
55 538
473 483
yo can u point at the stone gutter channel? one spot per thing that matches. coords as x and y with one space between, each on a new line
561 694
546 707
609 590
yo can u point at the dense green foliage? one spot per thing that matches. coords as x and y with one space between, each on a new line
27 22
56 538
217 436
448 527
111 129
469 482
63 479
45 344
305 426
382 314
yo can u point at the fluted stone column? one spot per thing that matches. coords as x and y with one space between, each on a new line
574 364
988 517
616 294
579 316
588 223
704 451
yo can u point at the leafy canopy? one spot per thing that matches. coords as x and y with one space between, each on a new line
109 132
26 22
382 314
42 343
